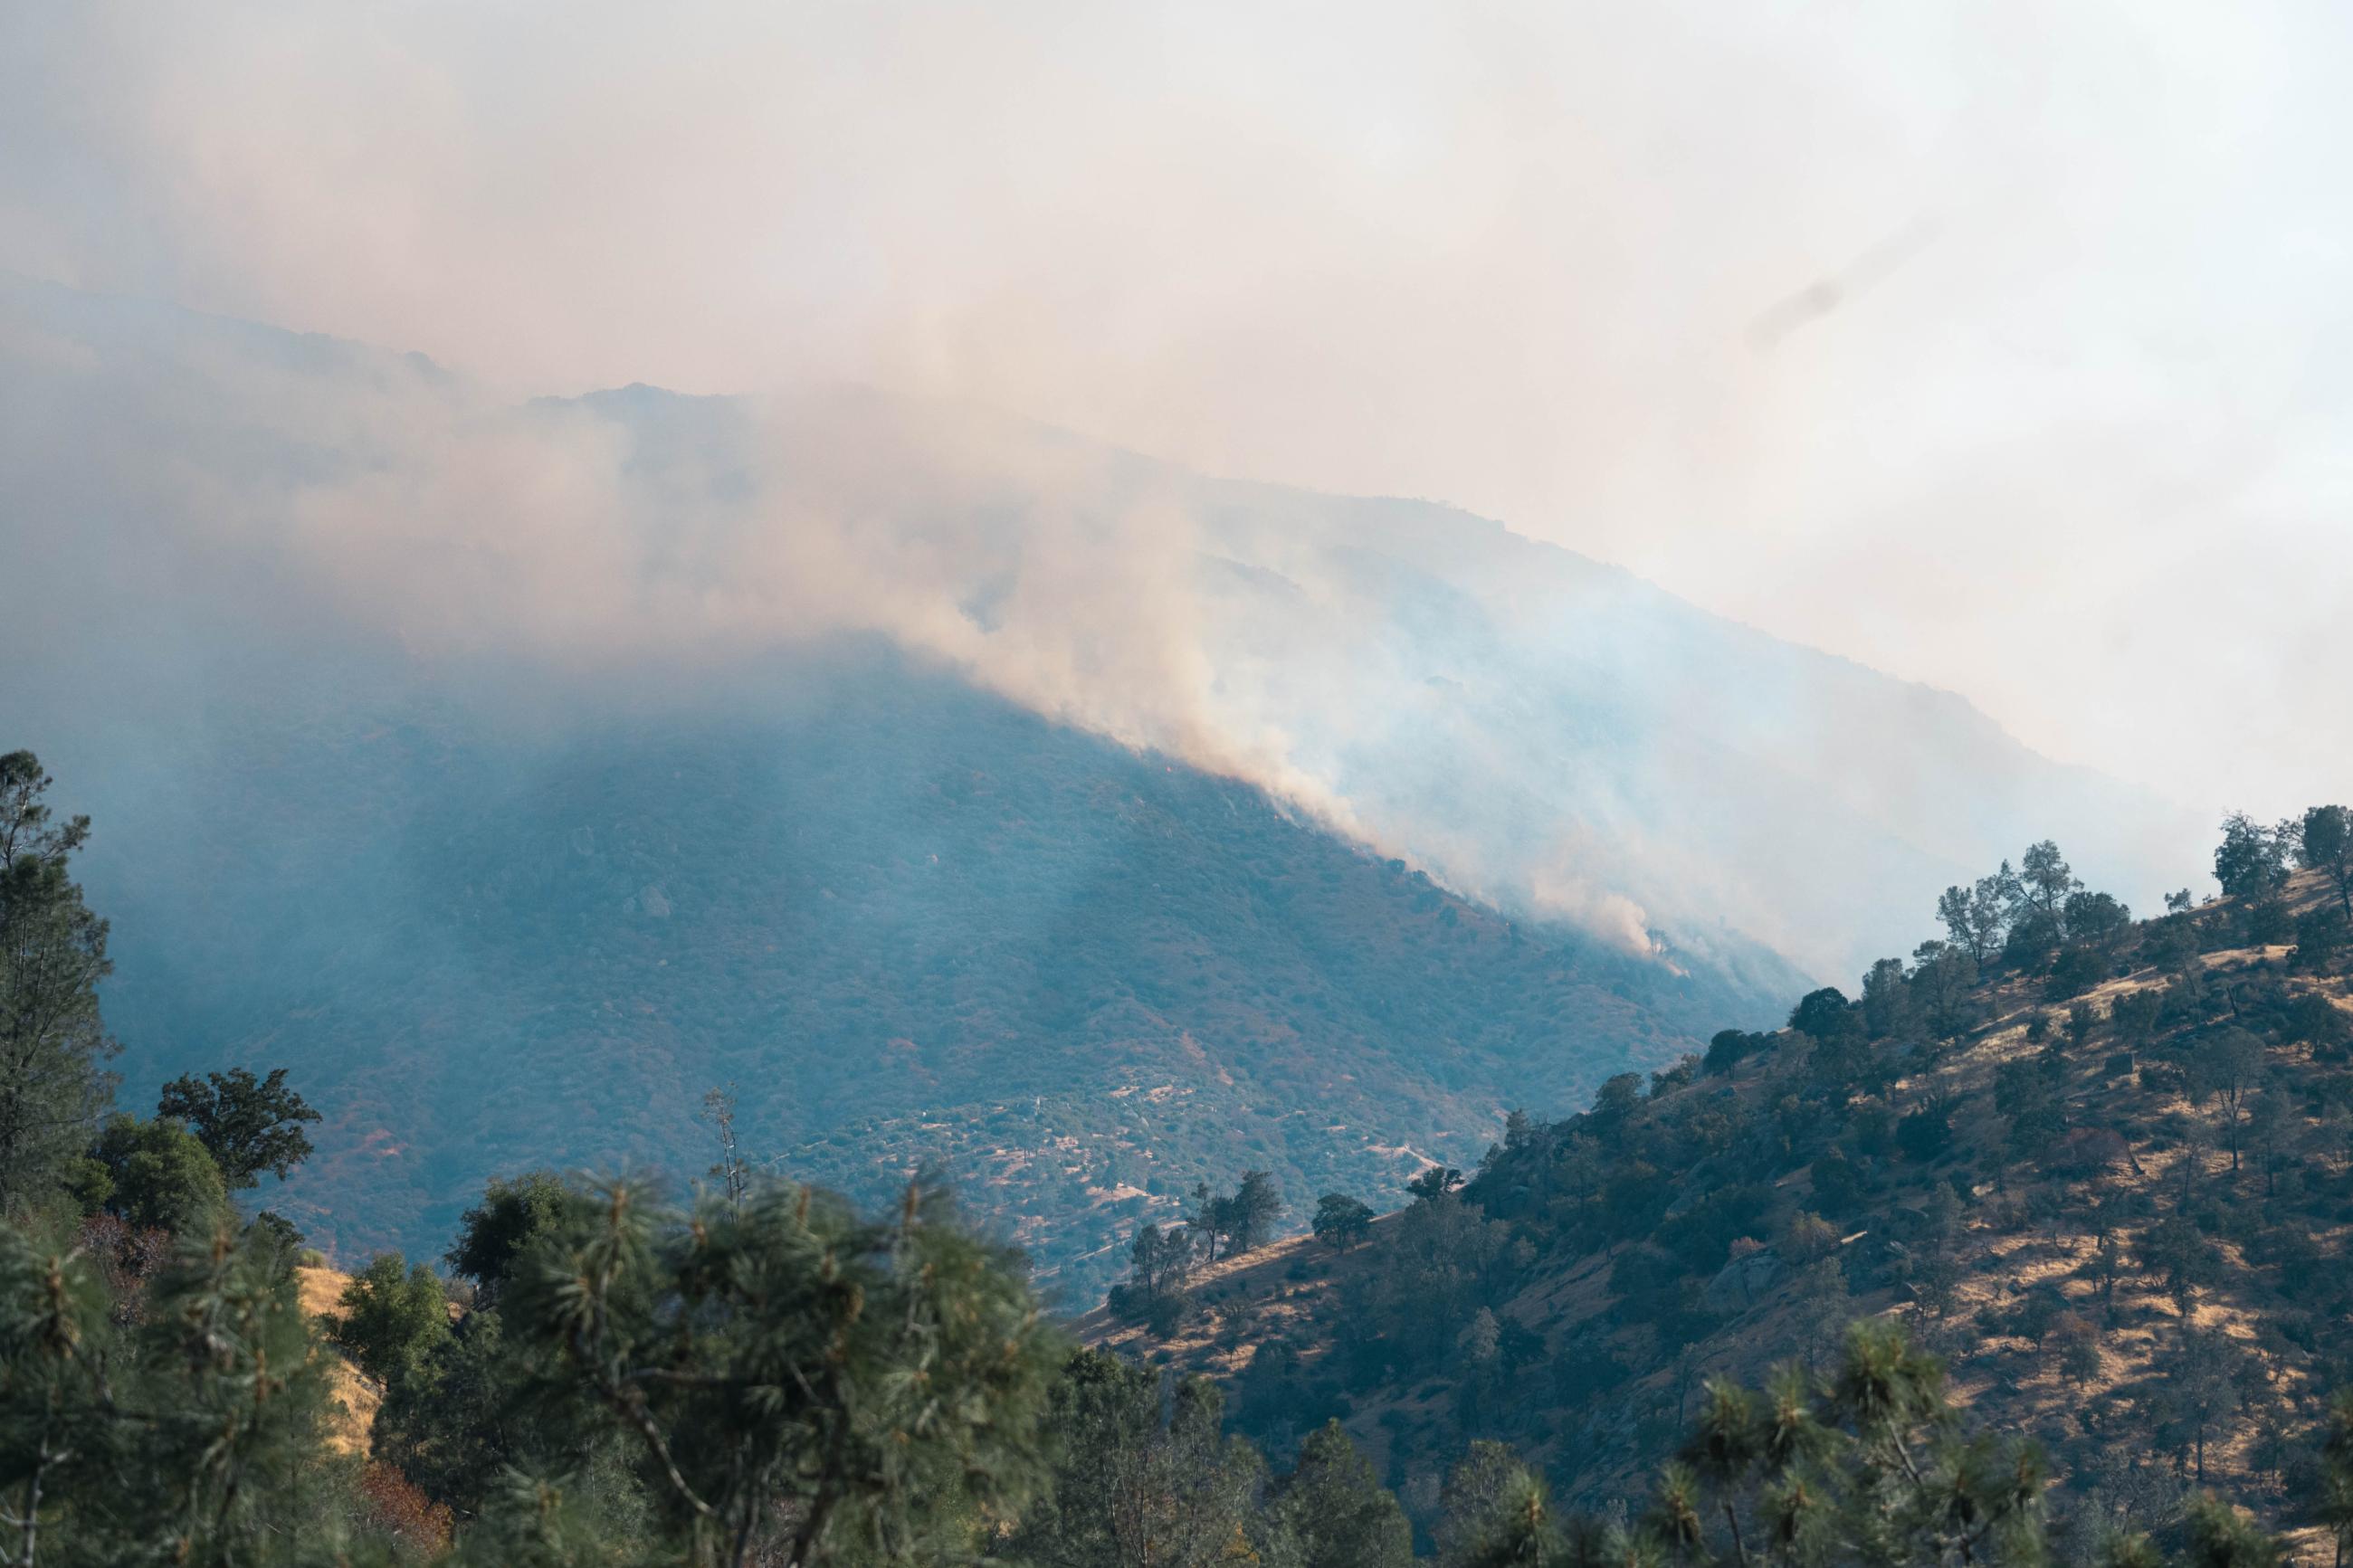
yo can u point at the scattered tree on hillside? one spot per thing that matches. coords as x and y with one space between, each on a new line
2134 1016
1161 1258
2251 860
1341 1221
2229 1066
1886 999
1211 1220
492 1234
1977 918
2100 920
1942 982
1614 1103
1728 1048
2205 1378
2045 882
1256 1205
1435 1182
1822 1014
2326 846
1243 1219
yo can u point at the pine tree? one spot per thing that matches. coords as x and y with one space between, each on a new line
1869 1466
194 1434
52 956
796 1377
1336 1511
1146 1478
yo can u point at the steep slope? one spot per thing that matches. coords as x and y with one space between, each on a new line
355 1397
906 921
2116 1206
1536 731
516 772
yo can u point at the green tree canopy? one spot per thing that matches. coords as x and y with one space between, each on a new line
493 1234
160 1177
2251 860
250 1125
1869 1466
2044 879
1336 1511
796 1378
1822 1014
390 1316
1435 1182
1146 1477
1342 1221
1256 1205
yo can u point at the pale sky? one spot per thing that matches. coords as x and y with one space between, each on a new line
2004 346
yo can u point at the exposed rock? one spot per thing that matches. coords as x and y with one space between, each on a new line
1742 1282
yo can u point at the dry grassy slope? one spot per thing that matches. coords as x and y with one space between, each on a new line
321 1289
1281 1284
1291 1289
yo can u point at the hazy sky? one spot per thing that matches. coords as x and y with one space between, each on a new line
2005 346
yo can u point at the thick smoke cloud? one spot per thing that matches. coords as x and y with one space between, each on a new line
1534 729
1999 346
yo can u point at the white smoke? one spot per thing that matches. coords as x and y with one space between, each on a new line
1529 728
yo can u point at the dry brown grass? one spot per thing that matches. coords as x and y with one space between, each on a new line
355 1397
2014 1384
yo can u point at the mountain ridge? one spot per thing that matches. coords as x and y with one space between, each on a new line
1605 729
301 609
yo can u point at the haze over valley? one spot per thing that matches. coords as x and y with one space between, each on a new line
889 785
359 611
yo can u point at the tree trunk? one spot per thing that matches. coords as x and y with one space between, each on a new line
33 1510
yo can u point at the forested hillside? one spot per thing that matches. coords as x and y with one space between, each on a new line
519 773
2103 1168
904 922
2141 1273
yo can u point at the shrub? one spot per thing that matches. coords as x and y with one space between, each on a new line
2076 970
2086 1151
1925 1134
1168 1314
390 1316
160 1177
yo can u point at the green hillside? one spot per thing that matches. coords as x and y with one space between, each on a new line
2033 1254
2107 1177
908 924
